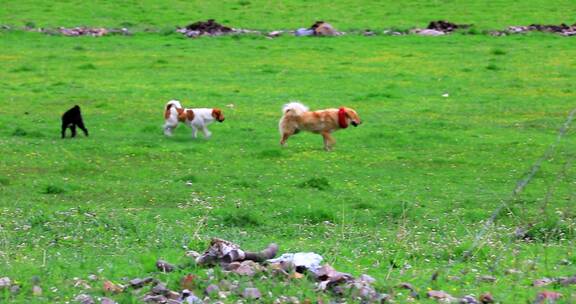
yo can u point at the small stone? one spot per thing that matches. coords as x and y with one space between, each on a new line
84 299
212 290
160 289
154 299
15 289
542 282
36 290
107 301
93 277
487 279
367 279
164 266
567 281
136 283
469 300
192 254
512 271
5 282
251 293
440 296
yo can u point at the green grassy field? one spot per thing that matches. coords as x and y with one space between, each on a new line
411 187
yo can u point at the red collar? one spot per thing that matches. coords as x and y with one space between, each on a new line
342 118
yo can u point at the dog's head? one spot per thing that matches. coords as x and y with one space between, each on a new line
217 114
352 117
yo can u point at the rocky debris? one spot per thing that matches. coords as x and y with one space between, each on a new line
36 289
562 29
79 283
210 28
84 299
542 282
139 283
189 298
164 266
107 301
567 281
5 282
161 294
427 32
487 279
251 293
225 252
212 290
468 300
547 297
85 31
244 268
441 296
446 26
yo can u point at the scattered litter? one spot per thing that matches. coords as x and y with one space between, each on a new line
300 260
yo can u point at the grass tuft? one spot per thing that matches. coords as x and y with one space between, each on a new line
320 183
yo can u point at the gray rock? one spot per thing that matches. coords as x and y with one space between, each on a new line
251 293
84 299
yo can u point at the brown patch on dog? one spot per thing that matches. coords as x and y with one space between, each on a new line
181 114
167 112
217 114
190 115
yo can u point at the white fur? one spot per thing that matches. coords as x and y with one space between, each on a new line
297 107
202 118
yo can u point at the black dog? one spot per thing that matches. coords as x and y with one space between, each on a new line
71 119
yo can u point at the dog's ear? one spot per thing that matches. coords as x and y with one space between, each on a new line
217 114
190 115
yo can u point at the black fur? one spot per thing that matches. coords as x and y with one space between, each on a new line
71 119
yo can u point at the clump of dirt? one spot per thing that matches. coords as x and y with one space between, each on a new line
446 26
206 28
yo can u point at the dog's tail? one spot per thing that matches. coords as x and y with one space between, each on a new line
294 108
171 107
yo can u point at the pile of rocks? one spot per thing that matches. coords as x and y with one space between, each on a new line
210 28
86 31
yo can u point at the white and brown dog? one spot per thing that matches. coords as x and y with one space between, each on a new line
197 119
296 117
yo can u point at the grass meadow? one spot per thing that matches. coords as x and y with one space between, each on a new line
401 197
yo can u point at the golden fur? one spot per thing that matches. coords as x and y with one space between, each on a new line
297 118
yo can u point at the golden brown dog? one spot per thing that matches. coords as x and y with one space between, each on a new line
297 118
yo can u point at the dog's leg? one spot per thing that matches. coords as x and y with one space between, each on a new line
284 138
194 132
168 130
328 141
83 128
73 129
207 133
64 127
